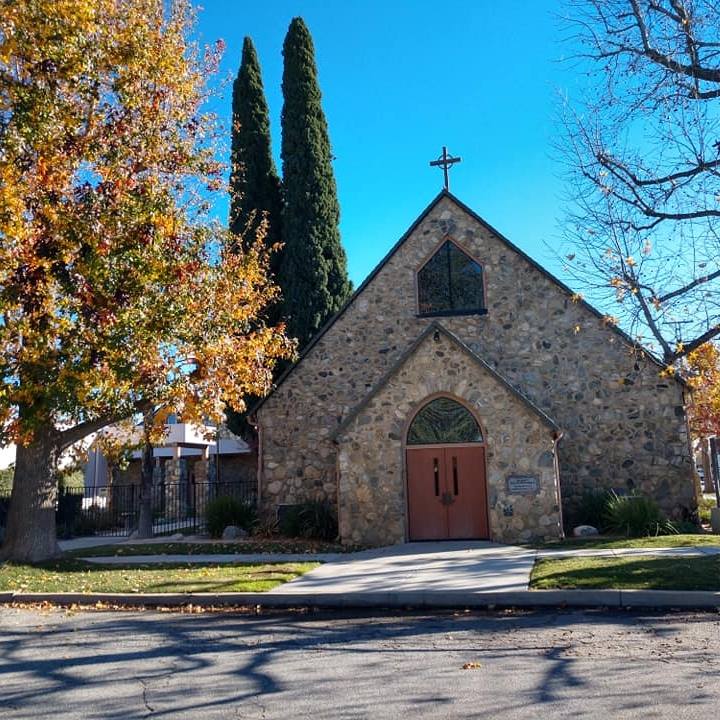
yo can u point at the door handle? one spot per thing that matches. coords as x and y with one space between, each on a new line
436 473
455 476
447 498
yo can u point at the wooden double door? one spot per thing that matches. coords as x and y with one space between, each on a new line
447 493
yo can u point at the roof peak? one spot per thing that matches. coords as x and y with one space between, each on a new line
445 193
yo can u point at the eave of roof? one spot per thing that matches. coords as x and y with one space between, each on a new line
447 194
434 327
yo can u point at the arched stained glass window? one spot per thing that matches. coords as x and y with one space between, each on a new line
451 282
443 421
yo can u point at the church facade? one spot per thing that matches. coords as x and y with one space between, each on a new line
463 392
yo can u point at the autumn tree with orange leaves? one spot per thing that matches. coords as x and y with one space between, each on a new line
703 370
117 295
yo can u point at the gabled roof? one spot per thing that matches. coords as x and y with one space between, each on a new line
447 194
434 327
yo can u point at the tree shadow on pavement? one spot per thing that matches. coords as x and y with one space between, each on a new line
136 664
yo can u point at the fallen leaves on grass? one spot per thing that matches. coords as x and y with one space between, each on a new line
71 575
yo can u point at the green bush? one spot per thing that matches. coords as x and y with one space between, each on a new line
636 516
223 511
705 505
314 520
686 527
68 512
6 480
71 478
76 521
591 509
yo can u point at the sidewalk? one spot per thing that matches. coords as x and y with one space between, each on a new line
449 566
209 558
81 543
421 575
491 550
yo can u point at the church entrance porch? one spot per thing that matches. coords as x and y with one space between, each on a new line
447 493
492 440
446 483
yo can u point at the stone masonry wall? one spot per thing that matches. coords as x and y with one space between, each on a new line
624 425
371 460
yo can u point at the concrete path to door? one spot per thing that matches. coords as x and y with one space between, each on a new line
472 567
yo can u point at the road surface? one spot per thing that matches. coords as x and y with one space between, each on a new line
582 664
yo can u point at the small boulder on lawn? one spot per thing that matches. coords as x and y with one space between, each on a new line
585 531
233 532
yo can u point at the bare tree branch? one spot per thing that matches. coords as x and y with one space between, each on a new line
642 148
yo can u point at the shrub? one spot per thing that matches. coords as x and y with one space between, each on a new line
314 520
71 478
69 509
705 505
84 521
4 509
591 509
686 527
223 511
266 525
6 480
636 516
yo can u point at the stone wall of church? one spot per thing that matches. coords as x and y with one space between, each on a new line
371 460
624 425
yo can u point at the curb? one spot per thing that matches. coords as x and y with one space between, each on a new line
646 599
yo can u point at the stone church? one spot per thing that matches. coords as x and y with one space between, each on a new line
464 392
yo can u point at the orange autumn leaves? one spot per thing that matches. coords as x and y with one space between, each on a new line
116 291
703 367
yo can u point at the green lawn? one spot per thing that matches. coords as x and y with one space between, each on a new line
279 546
610 543
68 575
628 573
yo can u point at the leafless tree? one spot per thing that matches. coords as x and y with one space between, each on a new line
642 146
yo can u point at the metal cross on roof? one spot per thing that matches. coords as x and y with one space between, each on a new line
445 161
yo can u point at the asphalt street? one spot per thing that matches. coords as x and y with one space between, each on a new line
57 663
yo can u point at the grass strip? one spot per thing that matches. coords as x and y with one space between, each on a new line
610 543
627 573
209 548
69 575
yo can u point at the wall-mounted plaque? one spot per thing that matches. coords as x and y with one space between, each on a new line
522 485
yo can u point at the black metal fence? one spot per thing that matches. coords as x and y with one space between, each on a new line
115 510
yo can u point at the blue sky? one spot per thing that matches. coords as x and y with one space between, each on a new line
401 78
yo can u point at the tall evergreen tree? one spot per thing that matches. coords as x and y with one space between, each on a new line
313 275
254 184
255 189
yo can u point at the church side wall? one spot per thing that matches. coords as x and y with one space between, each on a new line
624 425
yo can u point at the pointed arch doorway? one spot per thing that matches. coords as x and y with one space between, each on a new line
446 479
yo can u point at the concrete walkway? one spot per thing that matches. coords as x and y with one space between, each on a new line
432 575
412 569
421 567
448 566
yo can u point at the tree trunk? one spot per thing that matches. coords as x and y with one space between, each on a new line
31 535
715 468
145 521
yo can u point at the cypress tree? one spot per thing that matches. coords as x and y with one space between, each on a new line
254 184
313 274
255 191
